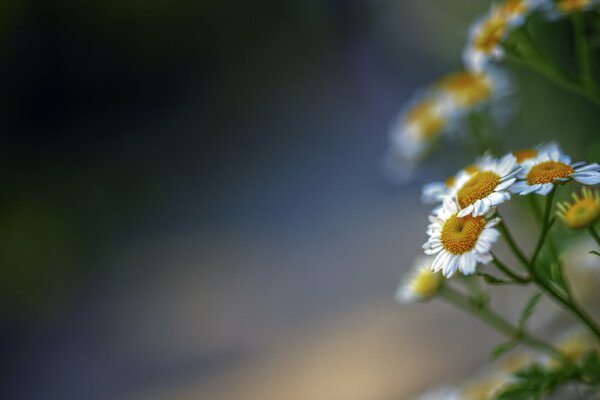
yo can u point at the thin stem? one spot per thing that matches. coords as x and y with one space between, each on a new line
498 323
521 49
594 234
508 272
569 304
535 207
546 225
583 50
508 237
551 244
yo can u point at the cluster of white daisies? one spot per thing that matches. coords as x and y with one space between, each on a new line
462 224
441 108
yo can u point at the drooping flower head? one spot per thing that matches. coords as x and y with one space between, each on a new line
487 188
459 243
541 174
583 211
420 284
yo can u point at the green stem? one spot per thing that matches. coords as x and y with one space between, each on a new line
546 225
569 304
498 323
521 49
510 241
537 213
583 50
594 234
508 272
551 245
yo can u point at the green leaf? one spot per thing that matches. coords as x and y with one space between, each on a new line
529 309
594 252
502 349
535 382
590 366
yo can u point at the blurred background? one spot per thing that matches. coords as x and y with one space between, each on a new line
193 206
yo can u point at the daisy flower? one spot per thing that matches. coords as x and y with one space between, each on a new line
484 43
484 40
540 174
469 90
531 153
563 7
420 284
480 192
517 11
436 192
414 132
583 212
459 243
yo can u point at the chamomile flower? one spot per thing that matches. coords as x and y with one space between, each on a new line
517 11
436 192
583 212
420 284
459 243
466 92
480 192
484 41
415 131
540 174
564 7
526 154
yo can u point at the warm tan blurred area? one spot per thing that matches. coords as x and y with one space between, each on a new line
193 204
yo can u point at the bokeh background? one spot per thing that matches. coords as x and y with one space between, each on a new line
192 200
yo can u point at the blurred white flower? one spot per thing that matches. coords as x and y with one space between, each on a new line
420 283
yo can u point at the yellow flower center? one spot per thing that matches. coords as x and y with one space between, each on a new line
479 186
459 235
471 169
548 171
525 154
450 181
491 33
467 88
426 283
572 5
427 118
582 213
512 8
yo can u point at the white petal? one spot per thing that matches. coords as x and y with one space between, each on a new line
468 263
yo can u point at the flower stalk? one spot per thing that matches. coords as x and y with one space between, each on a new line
495 321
